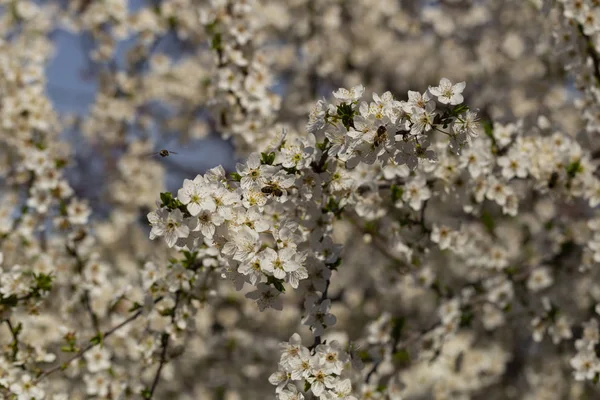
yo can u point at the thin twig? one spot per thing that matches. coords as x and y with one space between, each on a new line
382 248
591 51
91 345
163 354
323 297
88 306
15 342
163 359
394 345
86 293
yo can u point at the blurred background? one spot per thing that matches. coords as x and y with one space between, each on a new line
213 81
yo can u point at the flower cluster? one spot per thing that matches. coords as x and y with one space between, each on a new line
421 248
251 216
320 370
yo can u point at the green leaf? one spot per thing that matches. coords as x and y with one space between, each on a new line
437 288
216 43
334 207
43 282
364 355
346 114
334 266
322 146
190 258
172 203
370 227
488 129
397 327
277 283
10 301
235 176
97 339
488 221
267 158
63 208
415 260
401 357
466 318
306 386
397 192
574 168
553 312
459 109
210 28
17 329
166 198
60 163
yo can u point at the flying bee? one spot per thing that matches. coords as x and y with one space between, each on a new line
163 153
553 180
272 189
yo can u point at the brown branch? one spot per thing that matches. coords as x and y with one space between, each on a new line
86 293
15 335
323 297
163 354
381 247
591 52
163 360
91 345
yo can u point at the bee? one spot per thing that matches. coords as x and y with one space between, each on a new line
381 135
272 189
163 153
363 189
553 180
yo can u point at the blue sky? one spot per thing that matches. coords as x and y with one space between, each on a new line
73 94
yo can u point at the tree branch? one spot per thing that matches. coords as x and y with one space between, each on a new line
163 354
91 345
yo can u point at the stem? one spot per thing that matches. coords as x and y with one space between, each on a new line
382 248
163 359
591 51
86 294
163 354
323 297
88 306
394 345
422 217
15 342
91 345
